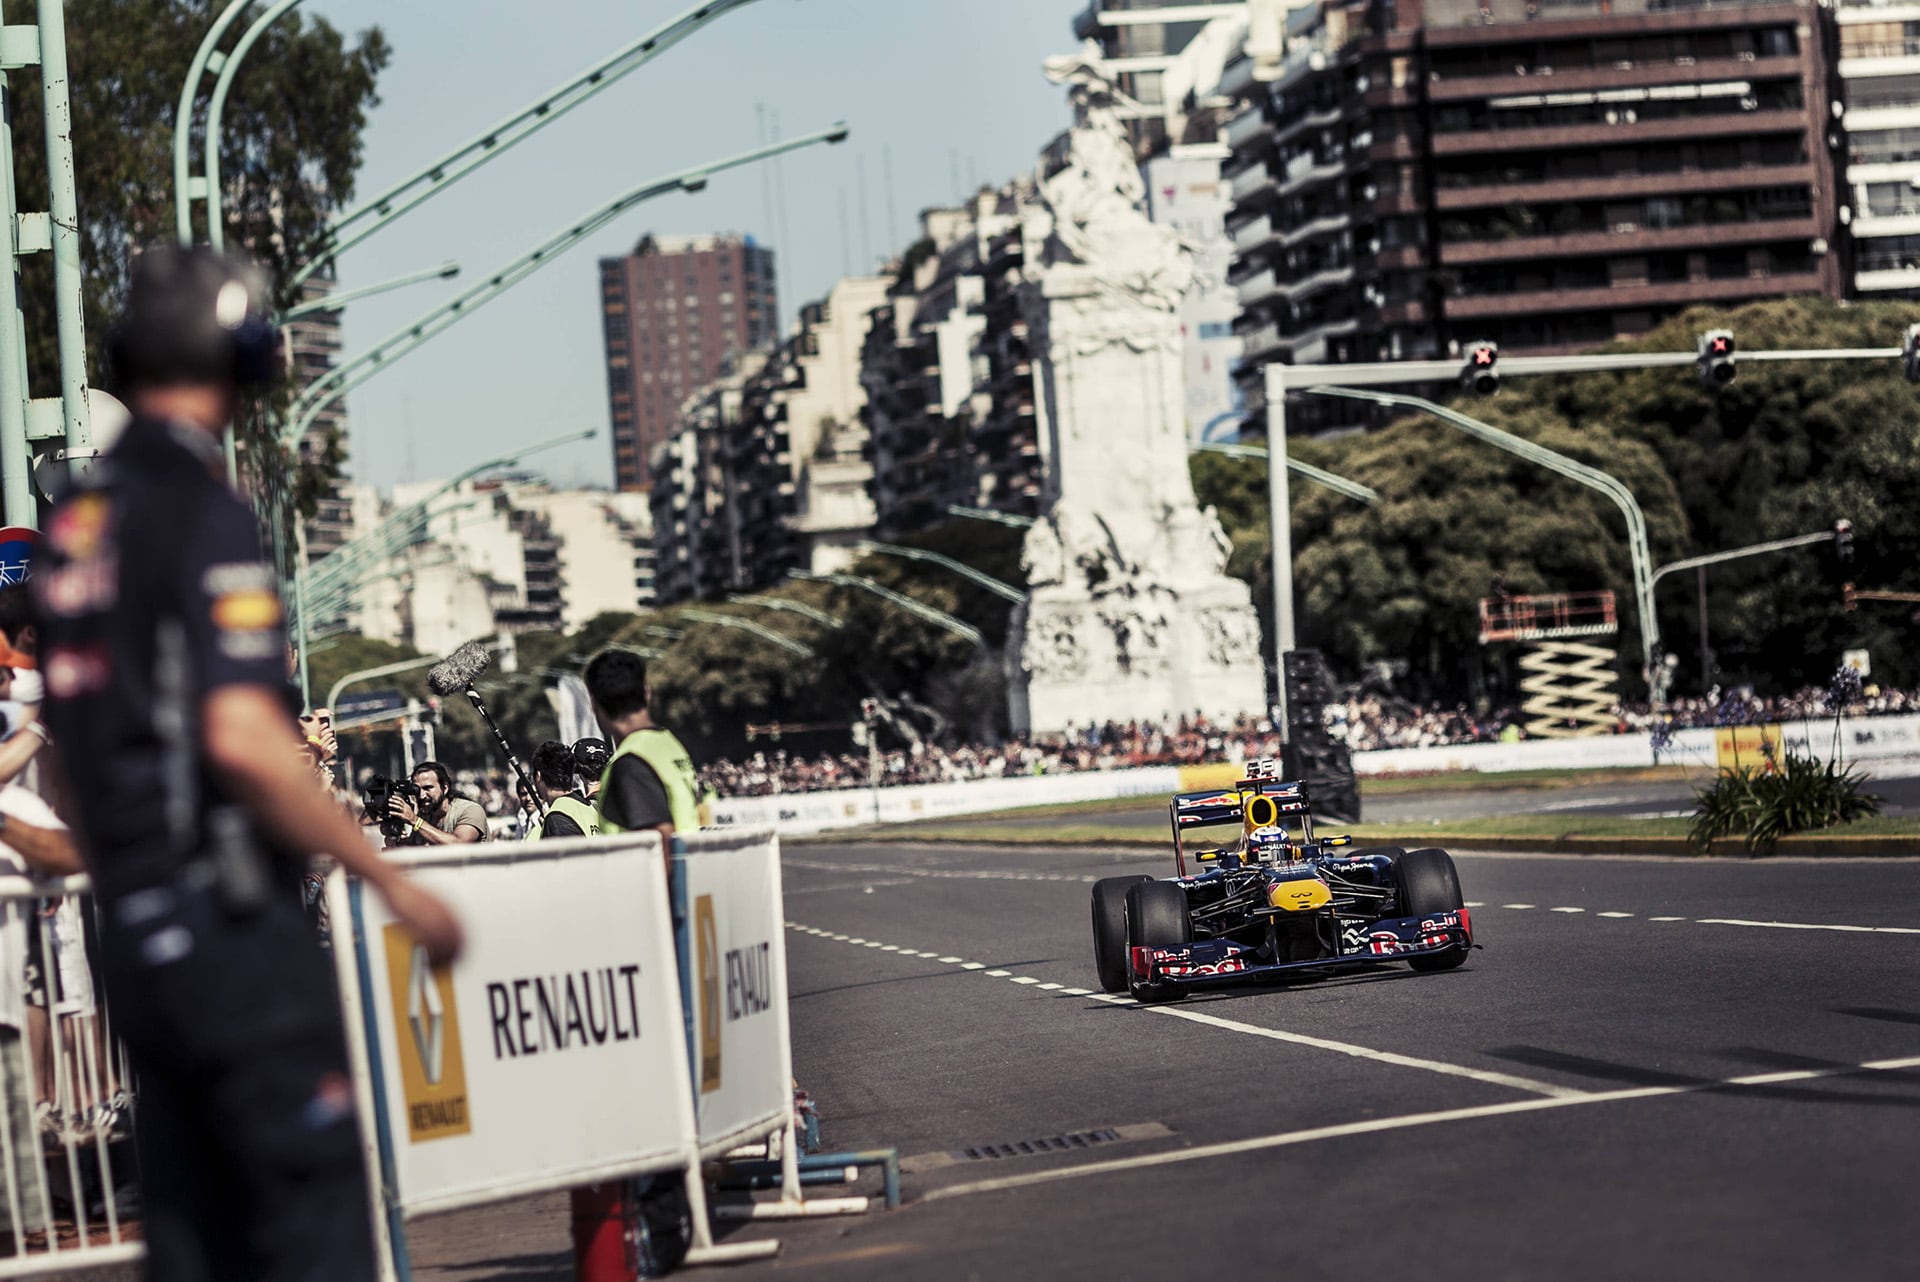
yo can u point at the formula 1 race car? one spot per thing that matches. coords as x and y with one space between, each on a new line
1277 900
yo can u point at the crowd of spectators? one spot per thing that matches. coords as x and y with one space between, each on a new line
1363 723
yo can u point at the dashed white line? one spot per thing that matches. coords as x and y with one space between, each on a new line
1808 925
1299 1039
1517 906
1051 988
1615 914
951 961
1567 910
1666 919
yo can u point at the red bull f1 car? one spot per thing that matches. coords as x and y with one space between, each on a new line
1279 900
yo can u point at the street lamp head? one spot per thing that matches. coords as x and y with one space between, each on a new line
449 270
696 183
838 134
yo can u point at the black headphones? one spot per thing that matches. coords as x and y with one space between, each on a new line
194 316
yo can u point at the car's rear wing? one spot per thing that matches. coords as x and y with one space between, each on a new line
1269 799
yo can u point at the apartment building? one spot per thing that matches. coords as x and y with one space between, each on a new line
952 409
675 313
1879 70
1409 177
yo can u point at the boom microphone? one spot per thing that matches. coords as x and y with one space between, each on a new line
456 674
459 670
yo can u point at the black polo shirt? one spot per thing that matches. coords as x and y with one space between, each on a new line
152 594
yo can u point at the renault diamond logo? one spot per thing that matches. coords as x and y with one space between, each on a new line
428 1016
426 1040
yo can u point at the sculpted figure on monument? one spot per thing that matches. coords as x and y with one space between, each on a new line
1097 201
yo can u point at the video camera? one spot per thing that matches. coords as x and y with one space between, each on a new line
377 795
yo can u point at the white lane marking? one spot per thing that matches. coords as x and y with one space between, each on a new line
1301 1039
1811 925
1366 1052
1050 988
1073 992
1516 905
873 943
1615 914
951 961
1473 903
1566 910
1666 919
1404 1121
887 948
851 941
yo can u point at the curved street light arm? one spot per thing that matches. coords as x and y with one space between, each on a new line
939 618
1736 554
356 224
1005 591
1591 477
791 607
334 302
204 57
748 625
217 106
349 374
1318 475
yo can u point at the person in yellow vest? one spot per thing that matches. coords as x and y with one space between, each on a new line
568 814
650 782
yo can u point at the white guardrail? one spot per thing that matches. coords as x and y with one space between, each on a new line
1867 740
605 1022
66 1153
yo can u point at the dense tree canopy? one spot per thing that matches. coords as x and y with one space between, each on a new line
1787 449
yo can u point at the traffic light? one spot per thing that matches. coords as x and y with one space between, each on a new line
1843 541
1478 375
1910 354
1716 358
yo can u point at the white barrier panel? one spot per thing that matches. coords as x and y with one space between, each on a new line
742 1046
1863 739
847 808
553 1053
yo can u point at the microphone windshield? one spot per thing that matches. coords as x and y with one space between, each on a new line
458 670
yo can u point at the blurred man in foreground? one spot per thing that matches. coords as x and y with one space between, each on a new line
163 656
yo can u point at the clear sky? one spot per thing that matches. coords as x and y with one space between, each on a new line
949 90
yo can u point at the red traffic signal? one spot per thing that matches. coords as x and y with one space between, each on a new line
1478 375
1716 351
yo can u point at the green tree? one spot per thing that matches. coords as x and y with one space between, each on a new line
289 151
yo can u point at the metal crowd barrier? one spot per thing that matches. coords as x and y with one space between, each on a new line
68 1195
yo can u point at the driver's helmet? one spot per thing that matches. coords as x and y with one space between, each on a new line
1270 842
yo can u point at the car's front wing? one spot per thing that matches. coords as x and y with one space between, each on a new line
1213 962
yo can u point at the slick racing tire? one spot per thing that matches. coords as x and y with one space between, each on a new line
1157 918
1427 884
1110 930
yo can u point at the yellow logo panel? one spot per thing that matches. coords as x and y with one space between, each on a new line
433 1074
706 933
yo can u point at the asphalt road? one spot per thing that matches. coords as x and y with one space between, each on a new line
1618 1085
1655 1068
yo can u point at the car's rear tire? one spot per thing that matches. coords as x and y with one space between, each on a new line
1157 917
1110 930
1428 883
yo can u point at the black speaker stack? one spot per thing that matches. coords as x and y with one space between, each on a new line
1311 754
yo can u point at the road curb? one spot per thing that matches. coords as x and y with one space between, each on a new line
1810 846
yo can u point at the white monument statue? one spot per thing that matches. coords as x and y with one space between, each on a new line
1131 614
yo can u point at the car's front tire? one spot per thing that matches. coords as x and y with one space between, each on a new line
1110 930
1157 917
1428 884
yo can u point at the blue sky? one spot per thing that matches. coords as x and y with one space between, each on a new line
950 88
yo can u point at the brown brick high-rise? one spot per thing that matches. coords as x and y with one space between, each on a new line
675 313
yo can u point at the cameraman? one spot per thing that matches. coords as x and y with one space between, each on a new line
440 818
